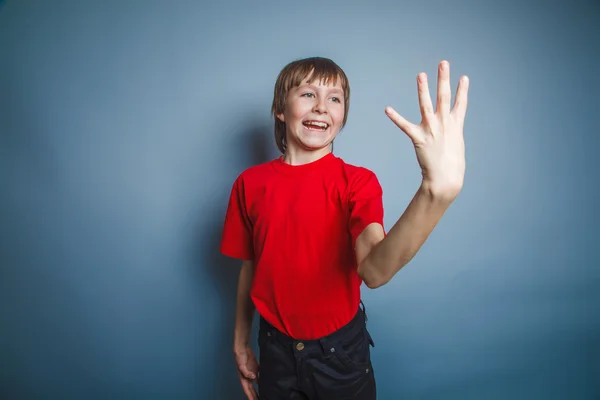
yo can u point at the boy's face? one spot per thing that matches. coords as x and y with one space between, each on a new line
313 114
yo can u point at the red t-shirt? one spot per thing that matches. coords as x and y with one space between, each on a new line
299 225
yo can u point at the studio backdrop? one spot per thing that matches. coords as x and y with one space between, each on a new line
123 125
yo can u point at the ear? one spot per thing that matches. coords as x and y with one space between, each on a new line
281 117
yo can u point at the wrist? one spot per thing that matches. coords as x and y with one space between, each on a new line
240 347
439 192
241 341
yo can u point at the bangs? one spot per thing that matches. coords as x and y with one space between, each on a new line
314 69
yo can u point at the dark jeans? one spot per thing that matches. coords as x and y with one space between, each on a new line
335 367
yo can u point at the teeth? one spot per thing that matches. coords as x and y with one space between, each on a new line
319 124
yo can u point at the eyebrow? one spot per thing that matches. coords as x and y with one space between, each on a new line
312 86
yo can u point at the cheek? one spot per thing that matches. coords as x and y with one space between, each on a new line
339 117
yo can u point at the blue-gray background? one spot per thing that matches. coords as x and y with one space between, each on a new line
123 125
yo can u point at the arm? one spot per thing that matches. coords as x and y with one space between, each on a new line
245 359
380 256
439 146
244 308
236 242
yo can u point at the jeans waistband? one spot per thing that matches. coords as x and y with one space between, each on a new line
357 323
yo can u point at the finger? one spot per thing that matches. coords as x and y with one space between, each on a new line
443 93
425 104
246 373
249 390
460 103
402 123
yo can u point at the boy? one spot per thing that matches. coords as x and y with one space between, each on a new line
309 229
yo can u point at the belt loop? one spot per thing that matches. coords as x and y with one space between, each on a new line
270 330
371 342
364 310
324 346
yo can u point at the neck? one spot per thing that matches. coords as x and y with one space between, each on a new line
294 156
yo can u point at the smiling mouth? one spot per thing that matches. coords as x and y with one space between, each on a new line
316 125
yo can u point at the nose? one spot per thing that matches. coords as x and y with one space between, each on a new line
320 106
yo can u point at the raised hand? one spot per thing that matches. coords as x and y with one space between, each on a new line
438 139
247 371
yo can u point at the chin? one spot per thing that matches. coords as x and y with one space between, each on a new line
315 145
314 142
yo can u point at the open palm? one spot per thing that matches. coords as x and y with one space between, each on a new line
438 139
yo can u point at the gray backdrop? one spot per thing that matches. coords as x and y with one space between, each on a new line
123 125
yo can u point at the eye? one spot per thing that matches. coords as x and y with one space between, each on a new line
308 95
336 99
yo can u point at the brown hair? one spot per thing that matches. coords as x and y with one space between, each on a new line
292 75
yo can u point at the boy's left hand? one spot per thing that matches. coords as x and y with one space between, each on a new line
438 139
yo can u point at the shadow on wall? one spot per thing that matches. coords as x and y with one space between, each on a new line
253 146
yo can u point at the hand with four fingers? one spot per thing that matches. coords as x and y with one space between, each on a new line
438 139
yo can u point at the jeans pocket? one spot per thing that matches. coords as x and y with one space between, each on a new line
354 352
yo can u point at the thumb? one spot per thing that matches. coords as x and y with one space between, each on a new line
246 372
401 123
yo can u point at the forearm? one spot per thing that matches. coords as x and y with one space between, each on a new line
244 307
406 237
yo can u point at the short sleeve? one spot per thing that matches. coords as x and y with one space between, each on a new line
365 203
236 241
